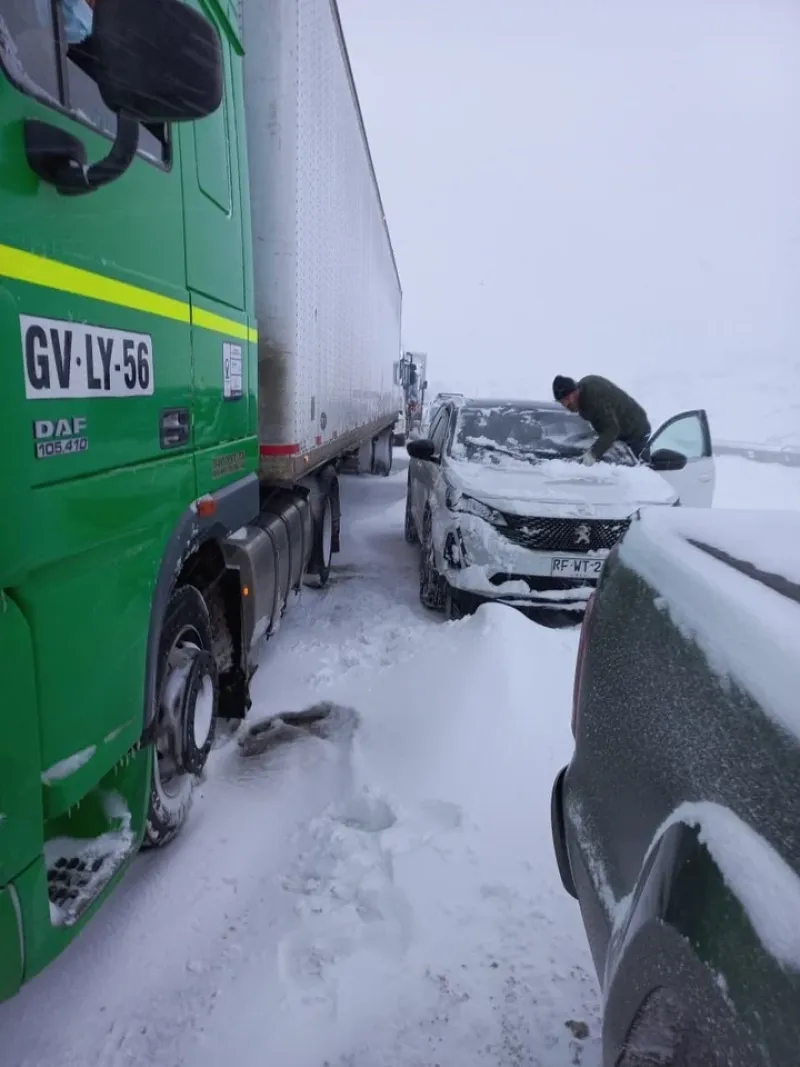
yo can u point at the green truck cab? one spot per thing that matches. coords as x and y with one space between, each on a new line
130 435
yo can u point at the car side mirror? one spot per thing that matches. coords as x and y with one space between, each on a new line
154 61
423 448
664 459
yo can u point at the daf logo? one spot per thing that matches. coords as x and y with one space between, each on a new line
582 534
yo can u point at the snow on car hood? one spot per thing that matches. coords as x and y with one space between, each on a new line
524 488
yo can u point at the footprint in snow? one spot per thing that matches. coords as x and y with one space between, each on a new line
368 812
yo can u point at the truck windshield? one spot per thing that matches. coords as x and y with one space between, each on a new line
526 432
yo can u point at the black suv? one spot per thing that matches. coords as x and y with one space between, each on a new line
676 825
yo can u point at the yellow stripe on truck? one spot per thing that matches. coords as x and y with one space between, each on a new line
207 320
49 273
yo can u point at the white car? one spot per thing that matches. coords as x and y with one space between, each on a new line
505 511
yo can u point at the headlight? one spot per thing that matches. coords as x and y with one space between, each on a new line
471 506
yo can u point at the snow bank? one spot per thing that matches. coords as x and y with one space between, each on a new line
744 484
748 631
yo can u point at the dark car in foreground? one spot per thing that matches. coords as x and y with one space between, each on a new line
677 822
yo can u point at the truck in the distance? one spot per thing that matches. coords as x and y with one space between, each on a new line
200 316
412 375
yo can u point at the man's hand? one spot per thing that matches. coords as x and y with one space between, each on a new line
588 459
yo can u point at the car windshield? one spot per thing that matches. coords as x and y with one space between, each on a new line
484 434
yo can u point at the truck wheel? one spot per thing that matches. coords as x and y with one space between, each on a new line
431 584
323 544
382 454
187 698
410 530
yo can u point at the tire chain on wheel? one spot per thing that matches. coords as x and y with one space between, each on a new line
186 609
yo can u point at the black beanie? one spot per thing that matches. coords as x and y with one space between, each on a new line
563 386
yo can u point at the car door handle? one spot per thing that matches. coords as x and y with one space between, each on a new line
705 477
173 427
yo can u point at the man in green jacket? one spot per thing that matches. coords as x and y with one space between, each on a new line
613 414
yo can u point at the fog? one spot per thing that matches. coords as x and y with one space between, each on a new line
579 187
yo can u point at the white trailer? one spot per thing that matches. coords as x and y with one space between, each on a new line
328 303
327 291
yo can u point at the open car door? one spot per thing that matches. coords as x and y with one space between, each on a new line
688 434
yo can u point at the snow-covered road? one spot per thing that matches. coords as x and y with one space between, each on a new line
380 896
392 890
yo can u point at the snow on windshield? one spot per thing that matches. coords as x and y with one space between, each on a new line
486 434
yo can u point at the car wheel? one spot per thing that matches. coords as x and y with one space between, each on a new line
431 584
410 529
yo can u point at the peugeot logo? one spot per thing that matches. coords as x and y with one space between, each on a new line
582 534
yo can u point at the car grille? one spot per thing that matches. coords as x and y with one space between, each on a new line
564 535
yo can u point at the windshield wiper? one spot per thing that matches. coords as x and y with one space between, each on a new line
490 446
527 455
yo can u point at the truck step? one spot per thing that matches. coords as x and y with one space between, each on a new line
80 868
74 881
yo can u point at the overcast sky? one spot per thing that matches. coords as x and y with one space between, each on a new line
578 186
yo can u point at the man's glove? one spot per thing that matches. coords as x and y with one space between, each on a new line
588 459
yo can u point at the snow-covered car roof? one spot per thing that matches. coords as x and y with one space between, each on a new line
502 402
732 580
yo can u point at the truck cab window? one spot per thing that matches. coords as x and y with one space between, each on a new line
29 46
46 48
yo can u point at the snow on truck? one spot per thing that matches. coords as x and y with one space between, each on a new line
199 316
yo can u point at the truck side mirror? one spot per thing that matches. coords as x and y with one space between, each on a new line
154 61
157 60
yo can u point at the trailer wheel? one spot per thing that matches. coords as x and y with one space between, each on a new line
382 454
187 696
323 543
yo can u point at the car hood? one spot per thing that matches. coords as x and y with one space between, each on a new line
560 487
